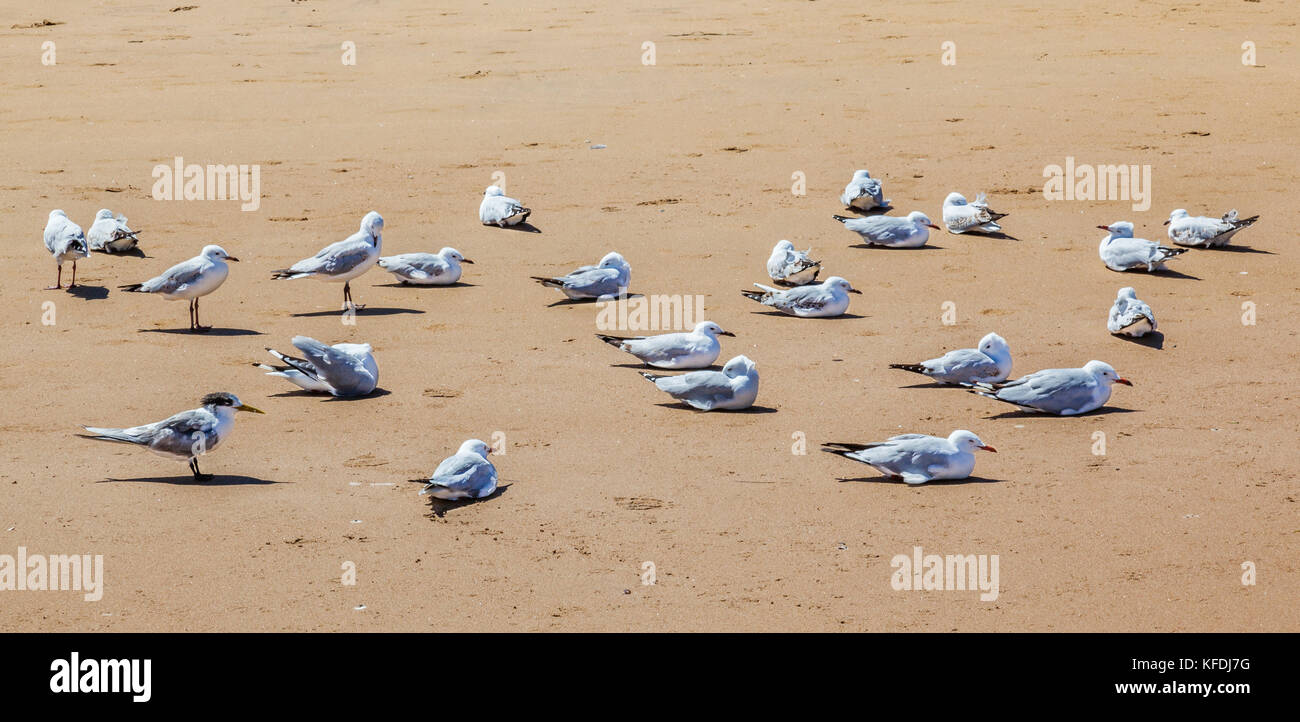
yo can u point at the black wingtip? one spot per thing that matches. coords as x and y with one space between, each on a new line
841 219
914 368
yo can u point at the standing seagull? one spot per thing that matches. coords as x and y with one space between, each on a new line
819 300
344 369
1186 230
110 233
184 436
991 362
864 193
343 261
960 216
733 388
425 269
1129 316
1064 392
695 350
790 267
65 241
189 280
607 280
1120 251
467 474
499 209
910 231
917 458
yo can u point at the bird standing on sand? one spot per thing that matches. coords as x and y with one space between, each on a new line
190 280
343 261
65 241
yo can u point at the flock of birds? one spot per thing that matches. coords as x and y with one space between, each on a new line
349 370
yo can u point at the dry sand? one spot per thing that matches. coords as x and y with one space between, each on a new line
694 188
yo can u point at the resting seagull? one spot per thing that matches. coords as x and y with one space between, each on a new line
733 388
864 193
425 269
498 209
110 234
819 300
1186 230
65 241
184 436
917 458
960 216
990 362
343 261
910 231
1120 251
607 280
467 474
190 280
344 369
1129 316
695 350
1064 392
790 267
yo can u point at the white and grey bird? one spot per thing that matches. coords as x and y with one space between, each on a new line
608 279
426 269
1130 316
960 216
864 193
343 261
916 458
696 349
819 300
1203 231
344 369
65 241
110 234
991 362
790 267
910 231
499 209
733 388
1120 251
184 436
467 474
1064 392
190 280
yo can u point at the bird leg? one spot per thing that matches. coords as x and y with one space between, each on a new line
347 297
195 325
198 475
58 283
73 283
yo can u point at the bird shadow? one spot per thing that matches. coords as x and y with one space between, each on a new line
590 301
1162 273
654 369
367 311
523 227
458 284
303 393
209 332
872 246
1230 248
135 252
930 385
989 234
876 211
806 318
1154 339
751 410
88 293
439 507
1105 410
935 482
189 480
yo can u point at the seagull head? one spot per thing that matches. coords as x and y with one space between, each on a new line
1105 373
840 283
1127 292
994 344
452 253
355 349
967 441
493 191
861 174
474 446
103 214
920 219
225 399
57 213
612 260
372 223
710 328
217 253
782 246
740 366
1176 215
955 199
1119 229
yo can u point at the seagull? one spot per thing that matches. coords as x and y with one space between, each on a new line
789 267
111 234
1129 316
734 387
991 362
189 280
184 436
499 209
819 300
910 231
960 216
697 349
467 474
864 193
1120 251
1203 231
1064 392
344 369
343 261
65 241
608 279
917 458
425 269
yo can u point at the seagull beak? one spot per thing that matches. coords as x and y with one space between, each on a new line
253 409
1126 382
1165 223
854 290
232 258
986 447
726 333
933 226
1104 228
465 260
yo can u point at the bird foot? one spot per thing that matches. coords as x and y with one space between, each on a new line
204 477
54 288
200 329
